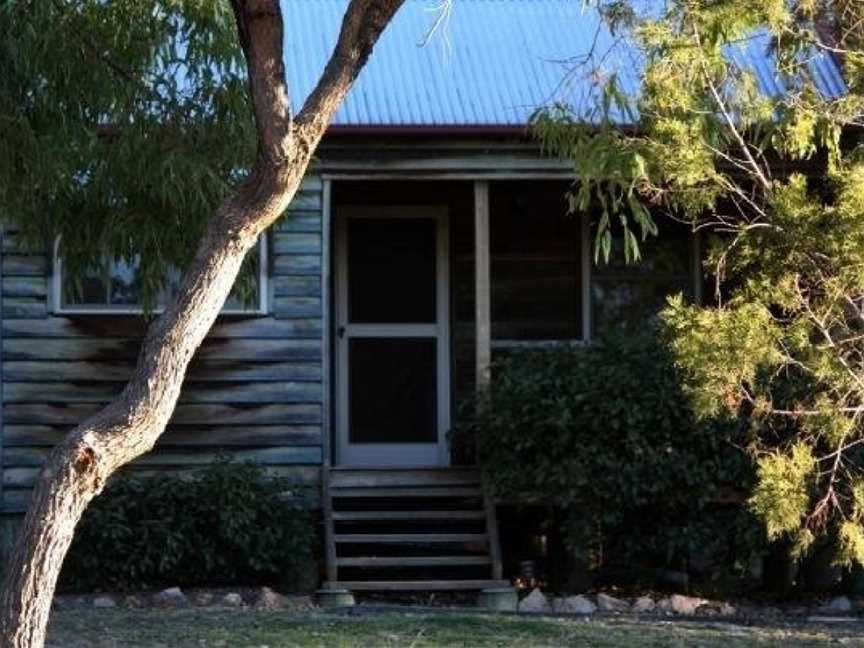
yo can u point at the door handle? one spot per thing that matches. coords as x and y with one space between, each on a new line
340 332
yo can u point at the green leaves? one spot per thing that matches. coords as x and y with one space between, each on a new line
230 523
782 494
772 173
124 124
720 351
605 435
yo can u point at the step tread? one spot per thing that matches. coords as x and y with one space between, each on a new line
409 537
404 492
347 516
417 585
412 561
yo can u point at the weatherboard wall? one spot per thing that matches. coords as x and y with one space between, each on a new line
254 390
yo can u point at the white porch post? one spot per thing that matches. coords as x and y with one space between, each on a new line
481 283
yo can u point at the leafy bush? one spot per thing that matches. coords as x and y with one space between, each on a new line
604 436
229 524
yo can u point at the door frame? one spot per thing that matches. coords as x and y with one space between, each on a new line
440 330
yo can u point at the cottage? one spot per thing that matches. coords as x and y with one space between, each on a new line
431 235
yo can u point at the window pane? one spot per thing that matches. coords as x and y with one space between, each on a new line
629 295
377 292
625 303
535 263
125 286
392 383
119 287
89 290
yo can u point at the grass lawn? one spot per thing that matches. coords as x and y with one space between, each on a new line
257 629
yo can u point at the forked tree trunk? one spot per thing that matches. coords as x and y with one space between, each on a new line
79 466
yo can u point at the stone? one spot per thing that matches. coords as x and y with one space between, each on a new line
573 605
501 599
299 602
203 599
837 605
232 599
334 598
536 601
608 603
104 602
133 601
267 599
714 609
680 604
173 597
643 605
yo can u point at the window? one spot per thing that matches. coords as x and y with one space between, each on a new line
536 264
625 295
116 288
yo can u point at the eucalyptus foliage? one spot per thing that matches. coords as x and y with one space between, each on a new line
122 125
778 182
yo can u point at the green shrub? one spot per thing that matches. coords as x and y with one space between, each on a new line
604 437
228 524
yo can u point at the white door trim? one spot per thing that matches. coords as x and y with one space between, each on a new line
382 454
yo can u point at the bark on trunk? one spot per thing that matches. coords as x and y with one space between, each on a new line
79 466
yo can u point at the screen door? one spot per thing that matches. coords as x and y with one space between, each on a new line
392 336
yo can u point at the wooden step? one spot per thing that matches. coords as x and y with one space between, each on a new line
407 492
400 498
420 538
348 477
413 561
349 516
416 586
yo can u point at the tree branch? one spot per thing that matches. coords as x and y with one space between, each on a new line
363 23
259 27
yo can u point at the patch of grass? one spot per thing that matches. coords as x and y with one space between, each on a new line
256 629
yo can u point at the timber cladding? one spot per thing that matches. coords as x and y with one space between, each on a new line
254 390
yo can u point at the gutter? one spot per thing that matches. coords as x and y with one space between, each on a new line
450 130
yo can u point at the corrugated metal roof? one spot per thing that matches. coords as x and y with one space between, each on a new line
491 63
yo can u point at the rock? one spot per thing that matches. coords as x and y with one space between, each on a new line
837 605
232 599
173 597
299 603
643 605
202 599
680 604
536 601
573 605
267 599
104 602
133 601
611 604
714 609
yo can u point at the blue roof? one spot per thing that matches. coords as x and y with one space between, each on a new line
489 63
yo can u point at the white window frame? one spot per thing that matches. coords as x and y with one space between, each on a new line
92 309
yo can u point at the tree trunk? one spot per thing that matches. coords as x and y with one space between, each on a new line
79 466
